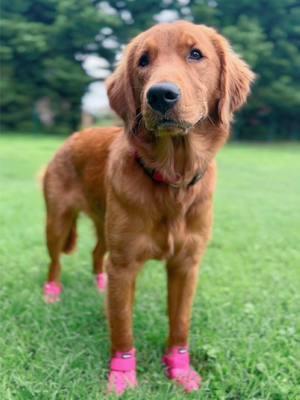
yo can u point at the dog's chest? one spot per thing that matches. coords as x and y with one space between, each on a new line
170 229
168 236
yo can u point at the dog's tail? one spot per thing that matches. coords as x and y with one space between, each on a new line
70 243
40 176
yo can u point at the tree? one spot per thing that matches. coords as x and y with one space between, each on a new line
267 34
43 43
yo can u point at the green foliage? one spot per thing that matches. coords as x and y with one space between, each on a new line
267 34
45 41
246 323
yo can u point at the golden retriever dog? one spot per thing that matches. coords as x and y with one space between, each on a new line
148 187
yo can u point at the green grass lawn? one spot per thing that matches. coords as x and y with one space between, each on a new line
245 331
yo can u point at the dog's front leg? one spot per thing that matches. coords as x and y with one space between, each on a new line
121 288
182 282
128 248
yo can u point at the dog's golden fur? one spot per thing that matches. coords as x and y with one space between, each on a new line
135 217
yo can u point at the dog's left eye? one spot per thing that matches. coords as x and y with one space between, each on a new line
195 54
144 60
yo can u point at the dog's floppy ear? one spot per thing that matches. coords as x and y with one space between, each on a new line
120 90
235 80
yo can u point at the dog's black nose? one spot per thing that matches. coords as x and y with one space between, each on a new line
163 96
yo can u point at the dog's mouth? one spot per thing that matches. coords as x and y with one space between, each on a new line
167 126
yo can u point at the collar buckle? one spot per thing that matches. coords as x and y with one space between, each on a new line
157 177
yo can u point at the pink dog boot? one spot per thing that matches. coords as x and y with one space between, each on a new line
179 370
101 281
122 374
52 292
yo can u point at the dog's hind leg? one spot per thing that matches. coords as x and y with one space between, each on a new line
61 237
99 261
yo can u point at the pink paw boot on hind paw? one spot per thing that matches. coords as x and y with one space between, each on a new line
52 292
101 282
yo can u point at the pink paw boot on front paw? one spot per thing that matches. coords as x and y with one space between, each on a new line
101 282
52 292
179 370
122 374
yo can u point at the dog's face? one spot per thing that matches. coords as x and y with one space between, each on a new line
174 76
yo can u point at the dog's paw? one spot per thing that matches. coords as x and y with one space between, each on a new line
120 381
179 370
189 380
101 282
52 292
122 374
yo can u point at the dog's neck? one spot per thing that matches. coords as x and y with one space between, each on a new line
180 155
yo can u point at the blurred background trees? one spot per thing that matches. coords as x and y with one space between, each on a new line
45 45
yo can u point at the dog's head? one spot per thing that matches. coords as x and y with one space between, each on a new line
174 76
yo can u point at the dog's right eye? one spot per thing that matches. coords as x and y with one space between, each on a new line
144 60
195 55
